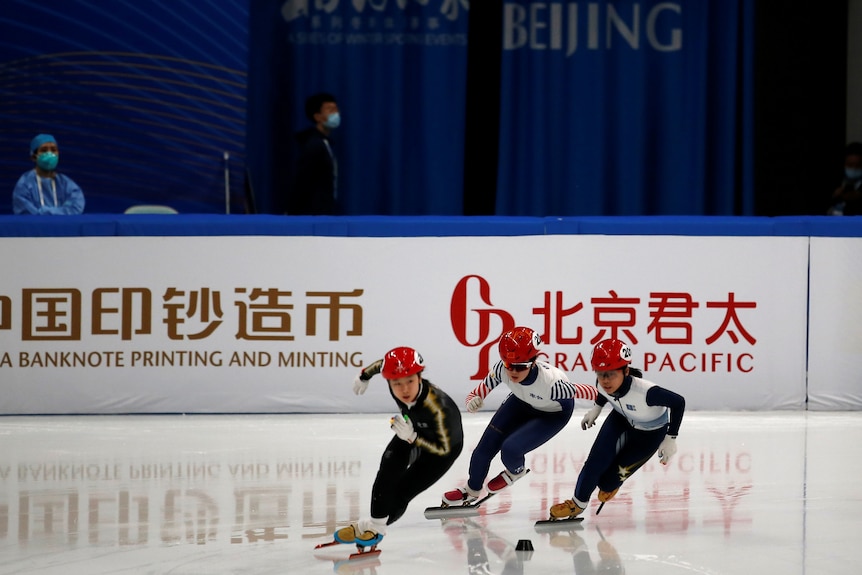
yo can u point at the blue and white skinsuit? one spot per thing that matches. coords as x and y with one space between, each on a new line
643 414
534 412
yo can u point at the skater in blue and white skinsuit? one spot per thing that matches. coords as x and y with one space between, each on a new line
540 404
645 420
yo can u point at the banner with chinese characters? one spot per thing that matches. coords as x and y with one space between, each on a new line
283 324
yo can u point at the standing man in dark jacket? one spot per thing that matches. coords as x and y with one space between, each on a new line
315 191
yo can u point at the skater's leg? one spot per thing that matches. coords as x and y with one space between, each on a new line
535 430
393 465
505 420
420 475
533 433
639 447
602 456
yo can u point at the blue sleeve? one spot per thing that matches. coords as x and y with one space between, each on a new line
22 197
73 204
673 401
25 197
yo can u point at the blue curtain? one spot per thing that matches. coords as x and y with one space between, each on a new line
626 108
398 71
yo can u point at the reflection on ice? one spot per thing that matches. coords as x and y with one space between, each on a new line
216 494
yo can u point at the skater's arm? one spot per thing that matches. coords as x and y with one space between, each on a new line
360 384
590 418
673 401
588 392
480 390
476 398
563 389
445 432
371 370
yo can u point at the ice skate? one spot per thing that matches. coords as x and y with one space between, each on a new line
563 515
460 496
368 538
461 502
605 496
568 509
505 479
364 534
347 534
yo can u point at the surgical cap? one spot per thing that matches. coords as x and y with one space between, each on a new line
39 140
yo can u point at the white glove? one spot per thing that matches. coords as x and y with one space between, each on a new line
589 419
475 404
667 448
403 428
360 385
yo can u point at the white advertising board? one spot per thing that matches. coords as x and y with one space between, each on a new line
283 324
835 312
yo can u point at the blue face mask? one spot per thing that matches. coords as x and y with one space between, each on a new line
47 161
853 173
333 120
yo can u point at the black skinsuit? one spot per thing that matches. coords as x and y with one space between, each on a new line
406 470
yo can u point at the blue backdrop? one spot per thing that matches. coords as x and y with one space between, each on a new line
144 98
626 107
618 107
398 70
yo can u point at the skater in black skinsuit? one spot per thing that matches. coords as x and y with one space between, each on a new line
428 439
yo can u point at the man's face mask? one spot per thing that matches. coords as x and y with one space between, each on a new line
47 161
333 120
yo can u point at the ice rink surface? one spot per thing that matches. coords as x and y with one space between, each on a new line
747 493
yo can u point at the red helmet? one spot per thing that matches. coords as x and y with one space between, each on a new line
401 362
610 354
519 345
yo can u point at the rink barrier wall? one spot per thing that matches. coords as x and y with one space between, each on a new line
789 346
420 226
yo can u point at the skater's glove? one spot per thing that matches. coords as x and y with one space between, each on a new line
667 448
589 419
403 428
475 404
360 385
